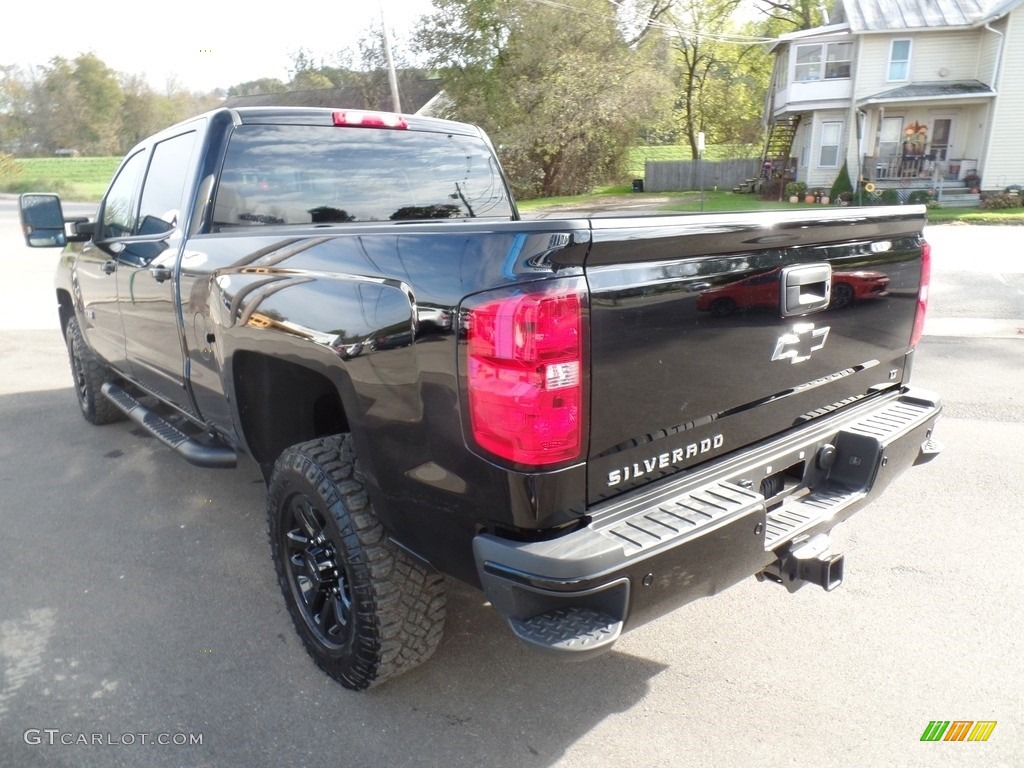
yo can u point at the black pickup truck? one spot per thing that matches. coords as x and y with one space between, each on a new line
561 412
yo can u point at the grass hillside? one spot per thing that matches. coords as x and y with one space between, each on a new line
75 178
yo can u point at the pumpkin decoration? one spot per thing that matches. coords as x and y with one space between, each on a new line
915 136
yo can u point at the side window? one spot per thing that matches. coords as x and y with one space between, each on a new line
899 61
829 155
162 193
120 208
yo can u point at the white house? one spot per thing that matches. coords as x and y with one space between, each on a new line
915 93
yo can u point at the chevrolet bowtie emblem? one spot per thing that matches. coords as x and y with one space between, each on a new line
799 345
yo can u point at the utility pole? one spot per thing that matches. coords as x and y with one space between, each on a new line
396 103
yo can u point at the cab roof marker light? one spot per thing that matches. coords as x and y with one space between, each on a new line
355 118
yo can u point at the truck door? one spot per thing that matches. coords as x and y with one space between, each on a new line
147 277
95 275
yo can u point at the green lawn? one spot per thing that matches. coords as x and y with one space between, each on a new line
86 178
690 202
638 155
75 178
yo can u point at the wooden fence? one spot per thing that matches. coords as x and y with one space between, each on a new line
679 175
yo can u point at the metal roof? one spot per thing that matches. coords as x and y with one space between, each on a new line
924 91
883 15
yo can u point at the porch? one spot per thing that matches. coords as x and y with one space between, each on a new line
950 181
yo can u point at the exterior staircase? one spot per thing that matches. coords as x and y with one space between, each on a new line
779 143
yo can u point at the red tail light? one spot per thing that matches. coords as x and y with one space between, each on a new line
525 376
922 294
354 118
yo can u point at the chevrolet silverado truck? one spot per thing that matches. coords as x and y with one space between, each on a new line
434 387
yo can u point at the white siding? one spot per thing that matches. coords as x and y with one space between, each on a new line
818 176
954 52
1005 162
988 53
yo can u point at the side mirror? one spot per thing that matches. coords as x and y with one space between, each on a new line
42 221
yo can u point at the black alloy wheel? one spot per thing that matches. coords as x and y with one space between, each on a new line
320 586
88 376
363 608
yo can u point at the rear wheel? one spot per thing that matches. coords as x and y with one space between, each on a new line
722 307
842 296
89 375
364 609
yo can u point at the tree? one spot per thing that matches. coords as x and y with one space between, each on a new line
712 98
257 87
791 15
558 87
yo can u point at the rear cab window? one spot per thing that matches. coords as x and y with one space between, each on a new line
307 174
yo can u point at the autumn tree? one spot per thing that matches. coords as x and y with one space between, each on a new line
791 15
558 87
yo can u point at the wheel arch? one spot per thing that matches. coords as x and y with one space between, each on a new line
65 309
281 402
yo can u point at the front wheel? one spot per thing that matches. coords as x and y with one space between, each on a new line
364 609
89 374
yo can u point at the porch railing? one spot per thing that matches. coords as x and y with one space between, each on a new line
901 167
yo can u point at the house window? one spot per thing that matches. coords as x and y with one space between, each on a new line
808 63
890 136
899 60
828 156
830 61
837 60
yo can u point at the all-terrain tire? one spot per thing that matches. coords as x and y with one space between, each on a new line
363 608
89 375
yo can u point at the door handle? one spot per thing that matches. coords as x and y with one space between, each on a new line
160 273
109 267
805 289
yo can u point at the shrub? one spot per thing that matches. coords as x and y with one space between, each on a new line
890 197
8 167
842 185
1000 200
919 197
795 188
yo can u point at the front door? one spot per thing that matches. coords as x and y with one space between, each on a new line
97 265
942 138
147 282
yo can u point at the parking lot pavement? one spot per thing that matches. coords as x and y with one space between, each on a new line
138 599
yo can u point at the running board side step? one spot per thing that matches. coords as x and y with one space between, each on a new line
580 632
191 450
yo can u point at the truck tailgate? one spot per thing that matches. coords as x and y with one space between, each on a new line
708 335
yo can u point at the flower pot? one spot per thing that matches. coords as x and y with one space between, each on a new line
824 199
794 198
808 198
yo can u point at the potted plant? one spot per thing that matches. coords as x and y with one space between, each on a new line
973 181
795 190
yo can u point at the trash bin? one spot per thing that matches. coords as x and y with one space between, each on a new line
638 185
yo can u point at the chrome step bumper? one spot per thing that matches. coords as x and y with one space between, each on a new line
695 535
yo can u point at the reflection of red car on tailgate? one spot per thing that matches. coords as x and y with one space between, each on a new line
763 291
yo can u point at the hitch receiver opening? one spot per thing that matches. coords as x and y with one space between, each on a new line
806 562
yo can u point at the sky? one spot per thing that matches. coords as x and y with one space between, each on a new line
203 44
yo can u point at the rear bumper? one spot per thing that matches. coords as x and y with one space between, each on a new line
662 546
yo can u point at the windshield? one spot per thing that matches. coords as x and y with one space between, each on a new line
296 174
